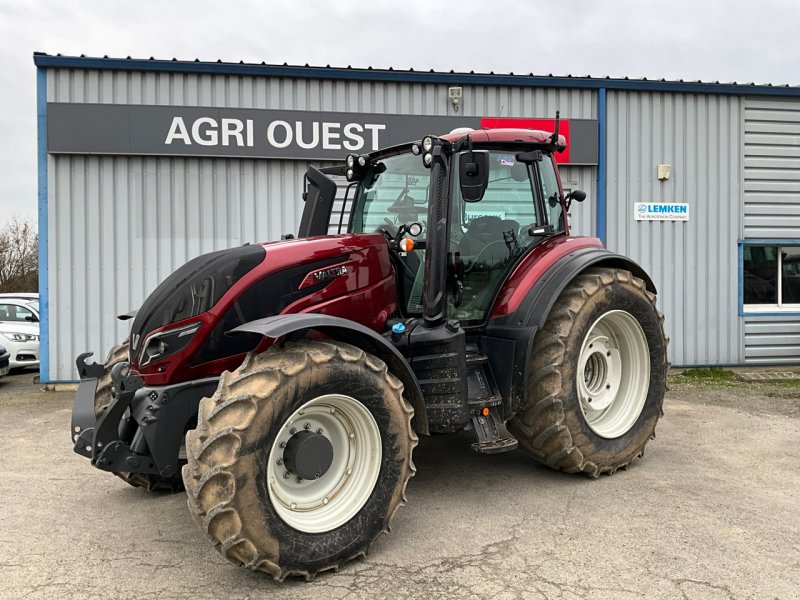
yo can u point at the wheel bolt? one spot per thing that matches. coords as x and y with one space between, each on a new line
286 475
316 475
299 480
319 431
280 461
282 444
293 430
307 426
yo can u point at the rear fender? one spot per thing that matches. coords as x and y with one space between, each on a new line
353 333
512 334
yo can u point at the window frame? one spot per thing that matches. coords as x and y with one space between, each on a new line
766 310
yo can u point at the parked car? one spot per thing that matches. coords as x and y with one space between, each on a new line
4 366
19 331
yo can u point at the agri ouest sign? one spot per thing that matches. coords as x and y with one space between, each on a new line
148 130
661 211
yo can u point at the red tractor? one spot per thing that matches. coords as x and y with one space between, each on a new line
284 384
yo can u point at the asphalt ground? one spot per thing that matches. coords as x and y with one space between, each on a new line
711 511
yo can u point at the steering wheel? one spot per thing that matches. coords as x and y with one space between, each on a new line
476 261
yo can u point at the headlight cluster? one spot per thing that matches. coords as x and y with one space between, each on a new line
166 343
426 149
20 337
356 165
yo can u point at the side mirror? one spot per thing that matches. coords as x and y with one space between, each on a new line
31 319
577 195
473 171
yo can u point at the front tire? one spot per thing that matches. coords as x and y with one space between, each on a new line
270 505
597 378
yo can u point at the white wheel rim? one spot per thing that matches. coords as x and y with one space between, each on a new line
323 504
613 374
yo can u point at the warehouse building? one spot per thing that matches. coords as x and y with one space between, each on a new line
144 164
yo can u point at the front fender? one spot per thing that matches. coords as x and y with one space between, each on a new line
353 333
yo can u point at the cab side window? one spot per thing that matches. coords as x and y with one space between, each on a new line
551 193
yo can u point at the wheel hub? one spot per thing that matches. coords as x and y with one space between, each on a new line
324 463
308 455
613 374
601 374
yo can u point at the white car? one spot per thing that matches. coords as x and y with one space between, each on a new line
19 331
4 366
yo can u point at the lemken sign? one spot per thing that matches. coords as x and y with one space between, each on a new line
661 211
260 133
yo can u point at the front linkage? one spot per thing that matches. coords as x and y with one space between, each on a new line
135 433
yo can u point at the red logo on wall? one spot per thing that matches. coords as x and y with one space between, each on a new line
541 124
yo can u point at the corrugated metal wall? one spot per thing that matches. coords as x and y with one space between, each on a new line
772 340
693 264
119 225
771 211
771 168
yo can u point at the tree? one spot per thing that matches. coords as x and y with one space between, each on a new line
19 260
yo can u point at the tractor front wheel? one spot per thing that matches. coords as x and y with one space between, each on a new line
597 376
301 458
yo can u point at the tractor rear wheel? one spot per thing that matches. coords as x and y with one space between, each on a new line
597 377
301 458
102 398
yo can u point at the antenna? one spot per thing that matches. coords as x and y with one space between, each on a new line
497 118
554 138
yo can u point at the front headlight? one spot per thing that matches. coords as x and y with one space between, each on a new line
19 337
165 343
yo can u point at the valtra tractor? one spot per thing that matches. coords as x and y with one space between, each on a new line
284 384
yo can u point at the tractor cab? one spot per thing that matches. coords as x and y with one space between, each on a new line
494 201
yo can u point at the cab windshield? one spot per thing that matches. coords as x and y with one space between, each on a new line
392 192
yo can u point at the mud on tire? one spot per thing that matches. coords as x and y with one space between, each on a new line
552 426
241 426
102 398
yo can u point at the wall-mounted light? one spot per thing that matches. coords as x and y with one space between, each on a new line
454 94
664 172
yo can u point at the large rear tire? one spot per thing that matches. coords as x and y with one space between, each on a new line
102 399
272 506
597 377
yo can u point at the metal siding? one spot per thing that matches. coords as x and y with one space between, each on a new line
694 264
119 225
772 340
771 168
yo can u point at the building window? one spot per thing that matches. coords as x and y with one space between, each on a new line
770 277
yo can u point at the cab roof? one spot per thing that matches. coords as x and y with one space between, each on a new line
505 135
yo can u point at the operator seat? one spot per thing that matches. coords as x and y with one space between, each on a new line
484 241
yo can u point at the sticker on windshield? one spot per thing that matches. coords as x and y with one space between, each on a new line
507 160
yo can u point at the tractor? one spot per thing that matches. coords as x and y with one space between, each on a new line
284 385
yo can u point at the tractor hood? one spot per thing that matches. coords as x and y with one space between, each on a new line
194 288
186 318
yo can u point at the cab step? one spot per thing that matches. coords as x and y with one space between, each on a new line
493 437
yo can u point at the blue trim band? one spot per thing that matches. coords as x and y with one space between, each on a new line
601 165
221 68
770 242
772 314
41 151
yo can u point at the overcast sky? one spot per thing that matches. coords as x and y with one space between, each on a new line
725 40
